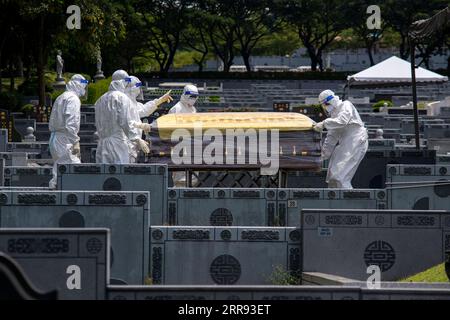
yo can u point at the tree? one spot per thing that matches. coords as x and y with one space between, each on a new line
400 14
10 36
221 28
254 21
356 11
165 21
318 22
48 20
196 37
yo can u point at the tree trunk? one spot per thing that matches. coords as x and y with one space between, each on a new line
319 60
40 62
370 54
201 62
404 48
129 64
11 77
246 57
1 78
27 67
448 66
313 57
20 67
169 61
226 67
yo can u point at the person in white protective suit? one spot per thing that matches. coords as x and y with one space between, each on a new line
114 123
186 104
347 140
64 125
140 110
187 101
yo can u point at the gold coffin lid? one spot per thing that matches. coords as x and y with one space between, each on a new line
283 121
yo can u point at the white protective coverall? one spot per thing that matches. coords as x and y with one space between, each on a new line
346 143
187 101
185 105
139 111
114 125
64 125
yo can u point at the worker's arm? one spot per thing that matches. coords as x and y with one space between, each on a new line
72 118
330 143
342 120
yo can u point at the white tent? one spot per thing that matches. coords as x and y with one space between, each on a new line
393 70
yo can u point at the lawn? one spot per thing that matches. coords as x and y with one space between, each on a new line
5 83
435 274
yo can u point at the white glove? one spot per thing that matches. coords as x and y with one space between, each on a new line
143 126
165 98
144 146
319 127
76 150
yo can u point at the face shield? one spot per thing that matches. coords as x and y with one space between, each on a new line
78 85
328 104
85 92
134 88
191 98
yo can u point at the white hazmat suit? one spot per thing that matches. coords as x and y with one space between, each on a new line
64 125
185 105
140 110
114 125
347 140
187 101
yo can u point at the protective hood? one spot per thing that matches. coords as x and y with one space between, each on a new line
117 85
77 84
190 96
119 75
133 89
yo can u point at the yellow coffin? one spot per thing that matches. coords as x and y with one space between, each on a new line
282 121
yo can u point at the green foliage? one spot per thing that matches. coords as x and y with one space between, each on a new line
97 89
435 274
214 99
282 277
376 107
10 100
55 94
27 109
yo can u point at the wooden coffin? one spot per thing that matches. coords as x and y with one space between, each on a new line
243 136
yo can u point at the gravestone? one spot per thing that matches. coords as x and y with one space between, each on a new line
3 139
145 177
419 187
2 178
224 255
27 176
221 207
346 242
293 201
72 261
15 285
371 173
126 214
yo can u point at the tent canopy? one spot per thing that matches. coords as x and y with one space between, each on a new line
393 71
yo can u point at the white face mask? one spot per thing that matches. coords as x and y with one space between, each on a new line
191 101
331 108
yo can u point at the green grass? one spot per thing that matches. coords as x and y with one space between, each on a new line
435 274
6 82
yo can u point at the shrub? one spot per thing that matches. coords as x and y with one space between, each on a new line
10 100
281 277
97 89
376 107
27 109
56 94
